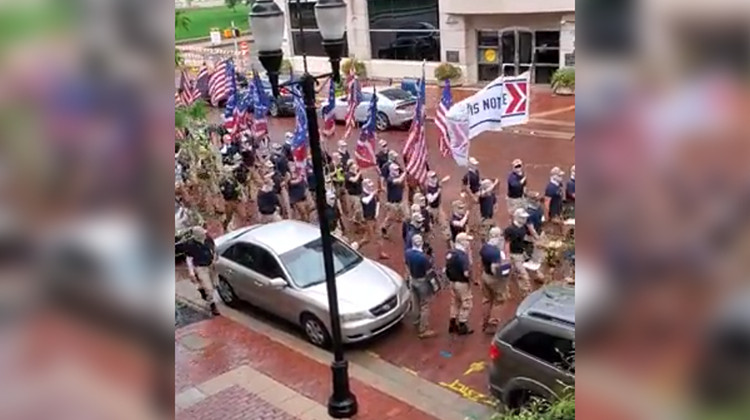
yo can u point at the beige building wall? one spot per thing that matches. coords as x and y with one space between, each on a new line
484 7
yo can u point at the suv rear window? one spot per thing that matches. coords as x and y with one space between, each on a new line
553 350
397 94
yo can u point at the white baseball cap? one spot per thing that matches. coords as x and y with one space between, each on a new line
473 161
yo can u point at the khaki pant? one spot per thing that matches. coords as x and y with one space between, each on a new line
205 279
422 304
394 212
354 207
515 204
270 218
461 301
495 292
370 232
484 228
522 274
302 210
440 222
231 207
284 201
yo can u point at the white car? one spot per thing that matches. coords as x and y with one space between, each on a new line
396 107
278 267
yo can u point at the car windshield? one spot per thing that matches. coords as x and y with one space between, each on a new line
305 264
396 94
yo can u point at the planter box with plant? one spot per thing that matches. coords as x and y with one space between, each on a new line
447 71
359 67
564 81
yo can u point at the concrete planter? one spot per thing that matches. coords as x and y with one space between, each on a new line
564 91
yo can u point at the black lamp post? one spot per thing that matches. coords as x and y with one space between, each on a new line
267 23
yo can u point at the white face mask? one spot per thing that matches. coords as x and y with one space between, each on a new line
495 241
518 171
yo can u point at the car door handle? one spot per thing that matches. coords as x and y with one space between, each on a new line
259 284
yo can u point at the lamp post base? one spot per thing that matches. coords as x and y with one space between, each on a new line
342 404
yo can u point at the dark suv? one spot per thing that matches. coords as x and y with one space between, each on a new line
533 355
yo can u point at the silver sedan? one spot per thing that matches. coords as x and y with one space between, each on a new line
278 267
396 107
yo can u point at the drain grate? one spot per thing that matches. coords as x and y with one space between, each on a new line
185 314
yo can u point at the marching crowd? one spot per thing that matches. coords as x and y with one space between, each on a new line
361 210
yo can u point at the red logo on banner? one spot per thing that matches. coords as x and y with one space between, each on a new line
519 93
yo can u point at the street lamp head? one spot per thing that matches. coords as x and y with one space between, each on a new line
330 16
267 24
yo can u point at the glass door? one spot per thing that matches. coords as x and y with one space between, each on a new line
516 50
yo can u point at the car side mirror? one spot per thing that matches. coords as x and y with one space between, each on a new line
277 283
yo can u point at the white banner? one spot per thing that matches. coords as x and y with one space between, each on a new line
502 103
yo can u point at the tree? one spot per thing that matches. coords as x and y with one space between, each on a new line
563 408
233 3
181 20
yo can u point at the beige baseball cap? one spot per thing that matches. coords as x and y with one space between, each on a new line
463 236
473 161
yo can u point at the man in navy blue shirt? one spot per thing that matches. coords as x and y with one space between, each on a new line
458 271
419 266
268 201
298 196
487 204
201 253
394 205
230 191
411 228
471 186
554 197
370 211
516 243
535 210
381 158
458 220
495 274
570 194
353 186
344 153
516 187
281 166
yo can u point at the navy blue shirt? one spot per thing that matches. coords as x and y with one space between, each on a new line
297 191
455 230
369 210
516 238
381 158
456 264
492 255
395 192
332 216
472 180
268 201
418 263
202 253
535 218
277 178
353 188
230 190
281 164
570 191
515 186
432 190
554 192
345 158
426 223
408 230
311 181
487 205
287 148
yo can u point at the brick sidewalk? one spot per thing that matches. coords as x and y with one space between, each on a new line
226 371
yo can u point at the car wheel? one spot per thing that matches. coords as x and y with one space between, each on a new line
381 122
226 293
315 331
274 109
521 398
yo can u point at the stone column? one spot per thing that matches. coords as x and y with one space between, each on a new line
357 29
567 36
453 37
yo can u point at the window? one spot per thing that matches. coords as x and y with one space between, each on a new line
553 350
404 29
305 264
254 258
397 94
303 16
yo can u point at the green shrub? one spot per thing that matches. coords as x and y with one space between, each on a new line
286 66
359 67
447 71
564 77
563 408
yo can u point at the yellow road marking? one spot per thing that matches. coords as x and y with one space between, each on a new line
475 367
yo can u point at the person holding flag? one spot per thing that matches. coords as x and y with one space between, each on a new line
354 97
232 115
298 149
260 109
329 116
441 121
415 149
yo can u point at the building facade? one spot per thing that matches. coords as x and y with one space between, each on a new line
486 38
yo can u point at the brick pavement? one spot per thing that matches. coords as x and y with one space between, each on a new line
214 355
234 403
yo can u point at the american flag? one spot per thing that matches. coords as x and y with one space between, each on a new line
187 93
232 112
218 82
260 108
329 120
201 83
245 103
299 140
415 149
354 97
364 151
446 101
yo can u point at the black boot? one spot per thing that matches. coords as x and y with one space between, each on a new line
214 309
452 326
202 291
464 329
